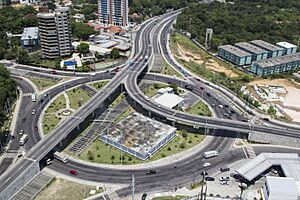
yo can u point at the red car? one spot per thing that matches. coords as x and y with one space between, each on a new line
74 172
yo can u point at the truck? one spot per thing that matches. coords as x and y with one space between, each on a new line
23 139
33 97
209 154
59 156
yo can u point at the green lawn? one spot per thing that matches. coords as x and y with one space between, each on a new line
200 108
168 70
152 89
42 84
169 198
98 85
77 97
99 152
50 121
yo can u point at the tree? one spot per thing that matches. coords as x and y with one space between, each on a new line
57 63
82 30
115 53
271 111
22 56
83 48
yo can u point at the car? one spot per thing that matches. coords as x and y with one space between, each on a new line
223 178
151 171
208 178
53 72
21 154
33 112
221 106
207 164
208 94
144 196
21 132
48 161
224 183
147 98
202 88
24 119
46 94
74 172
224 169
226 106
232 111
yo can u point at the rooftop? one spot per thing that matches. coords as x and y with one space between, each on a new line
250 48
169 100
289 162
108 44
278 60
282 185
286 45
234 50
266 45
30 33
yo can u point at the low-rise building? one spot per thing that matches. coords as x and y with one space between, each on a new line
257 53
78 17
234 55
273 50
170 100
288 47
279 188
276 65
30 38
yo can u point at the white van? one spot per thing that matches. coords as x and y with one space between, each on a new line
23 139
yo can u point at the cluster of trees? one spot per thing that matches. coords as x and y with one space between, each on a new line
270 20
156 7
14 20
7 94
81 30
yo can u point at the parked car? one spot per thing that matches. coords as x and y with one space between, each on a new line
74 172
208 178
224 169
149 172
206 164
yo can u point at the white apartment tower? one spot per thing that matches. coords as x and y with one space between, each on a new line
113 12
55 33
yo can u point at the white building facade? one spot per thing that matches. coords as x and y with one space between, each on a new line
113 12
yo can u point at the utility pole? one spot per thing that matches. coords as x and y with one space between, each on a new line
133 185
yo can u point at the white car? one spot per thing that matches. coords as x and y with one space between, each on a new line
147 98
33 112
206 164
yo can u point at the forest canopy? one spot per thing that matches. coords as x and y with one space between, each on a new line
269 20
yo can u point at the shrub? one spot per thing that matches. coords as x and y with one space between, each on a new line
182 145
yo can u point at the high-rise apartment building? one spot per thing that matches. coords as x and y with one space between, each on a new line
113 12
55 33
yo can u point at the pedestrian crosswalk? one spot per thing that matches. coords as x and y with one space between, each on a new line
113 195
9 155
27 94
250 153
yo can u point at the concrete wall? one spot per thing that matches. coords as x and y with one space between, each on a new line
20 182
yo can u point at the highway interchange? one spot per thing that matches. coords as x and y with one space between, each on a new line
37 148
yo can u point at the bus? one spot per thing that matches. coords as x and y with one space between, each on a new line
23 139
33 97
209 154
59 156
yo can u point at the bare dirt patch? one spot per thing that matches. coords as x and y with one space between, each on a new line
210 63
62 189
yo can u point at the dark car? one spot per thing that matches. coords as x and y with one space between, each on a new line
208 178
224 169
189 87
149 172
74 172
144 196
208 94
204 173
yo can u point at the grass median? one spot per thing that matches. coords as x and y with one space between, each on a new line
77 97
42 84
100 152
50 120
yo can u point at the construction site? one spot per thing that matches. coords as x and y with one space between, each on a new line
138 135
